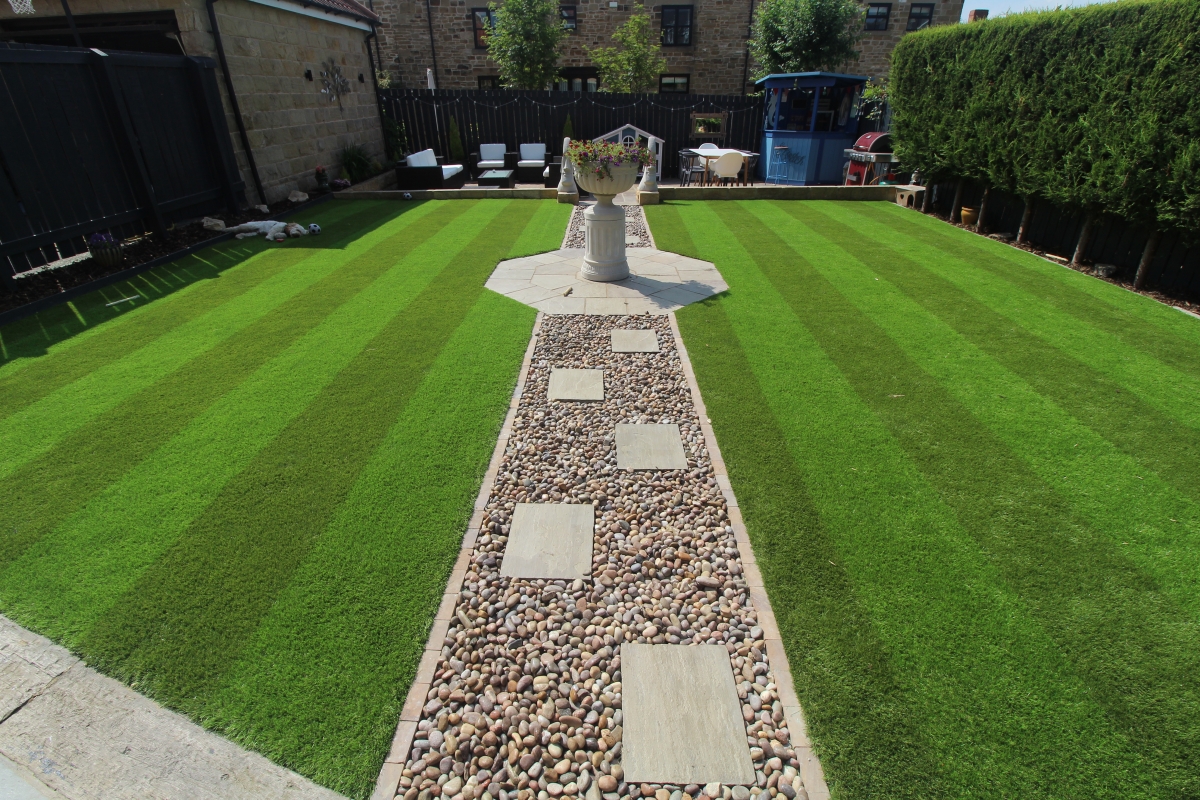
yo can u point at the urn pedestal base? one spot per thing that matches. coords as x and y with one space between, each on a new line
604 248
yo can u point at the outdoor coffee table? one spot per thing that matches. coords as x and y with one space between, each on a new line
497 177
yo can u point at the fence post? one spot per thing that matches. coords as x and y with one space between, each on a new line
209 120
127 138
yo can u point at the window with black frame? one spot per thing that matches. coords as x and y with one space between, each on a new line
483 21
877 16
677 26
673 84
570 22
489 81
920 16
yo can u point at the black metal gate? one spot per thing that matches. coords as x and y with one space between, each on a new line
93 141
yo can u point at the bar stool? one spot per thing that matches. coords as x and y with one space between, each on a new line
780 157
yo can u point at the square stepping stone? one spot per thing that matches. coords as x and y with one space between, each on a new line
624 341
549 541
576 384
650 447
683 719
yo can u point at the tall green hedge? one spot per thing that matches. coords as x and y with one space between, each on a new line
1097 107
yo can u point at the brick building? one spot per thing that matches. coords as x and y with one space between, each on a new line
277 51
704 41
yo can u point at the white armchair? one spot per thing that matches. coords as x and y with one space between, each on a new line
532 163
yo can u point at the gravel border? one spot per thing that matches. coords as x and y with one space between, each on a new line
513 706
635 227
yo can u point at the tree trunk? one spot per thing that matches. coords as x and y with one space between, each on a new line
1147 257
1026 221
980 227
1085 238
956 206
927 198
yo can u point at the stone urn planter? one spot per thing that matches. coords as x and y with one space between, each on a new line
606 169
604 224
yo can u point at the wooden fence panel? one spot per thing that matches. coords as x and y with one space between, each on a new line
517 117
80 126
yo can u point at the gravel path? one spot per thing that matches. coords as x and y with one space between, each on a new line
525 701
637 234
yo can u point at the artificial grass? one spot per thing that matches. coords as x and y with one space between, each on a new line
983 569
256 530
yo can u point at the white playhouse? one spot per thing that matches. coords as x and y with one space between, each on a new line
629 134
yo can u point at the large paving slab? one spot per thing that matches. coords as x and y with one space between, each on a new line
576 384
634 341
549 541
683 719
84 735
659 282
649 447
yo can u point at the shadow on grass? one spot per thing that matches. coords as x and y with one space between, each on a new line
342 223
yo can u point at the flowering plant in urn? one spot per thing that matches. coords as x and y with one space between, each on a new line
599 158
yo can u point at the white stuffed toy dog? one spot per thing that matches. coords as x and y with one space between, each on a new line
273 230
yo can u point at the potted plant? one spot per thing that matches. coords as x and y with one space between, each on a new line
322 178
106 250
606 169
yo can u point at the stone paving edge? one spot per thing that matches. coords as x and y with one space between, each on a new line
811 773
389 775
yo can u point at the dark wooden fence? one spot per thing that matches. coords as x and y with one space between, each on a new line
516 117
1176 267
119 142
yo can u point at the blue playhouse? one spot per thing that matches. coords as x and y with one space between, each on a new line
810 119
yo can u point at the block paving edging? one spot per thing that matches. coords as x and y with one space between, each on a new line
811 773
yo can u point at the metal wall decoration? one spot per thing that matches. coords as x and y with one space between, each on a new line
336 84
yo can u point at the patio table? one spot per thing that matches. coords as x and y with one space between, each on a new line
711 155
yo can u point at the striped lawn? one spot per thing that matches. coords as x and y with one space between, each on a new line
245 496
972 479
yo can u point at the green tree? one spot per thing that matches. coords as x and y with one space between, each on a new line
804 35
636 65
524 42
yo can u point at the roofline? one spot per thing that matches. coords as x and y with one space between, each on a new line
785 75
337 16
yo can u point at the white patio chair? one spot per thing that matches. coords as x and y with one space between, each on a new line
708 146
533 161
728 167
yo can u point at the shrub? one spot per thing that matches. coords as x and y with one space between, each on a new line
1095 107
457 155
356 163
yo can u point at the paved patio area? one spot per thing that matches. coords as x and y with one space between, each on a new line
659 282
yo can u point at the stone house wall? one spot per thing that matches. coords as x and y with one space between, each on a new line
715 61
291 125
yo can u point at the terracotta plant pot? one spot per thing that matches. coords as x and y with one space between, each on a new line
970 215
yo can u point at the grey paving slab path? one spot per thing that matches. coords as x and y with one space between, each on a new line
659 282
550 540
576 384
635 341
649 447
83 735
683 719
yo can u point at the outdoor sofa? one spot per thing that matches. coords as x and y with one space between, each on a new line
424 170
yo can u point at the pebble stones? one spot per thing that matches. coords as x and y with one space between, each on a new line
526 698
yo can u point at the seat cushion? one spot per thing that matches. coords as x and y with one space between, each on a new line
491 152
492 164
540 162
425 158
450 170
533 152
